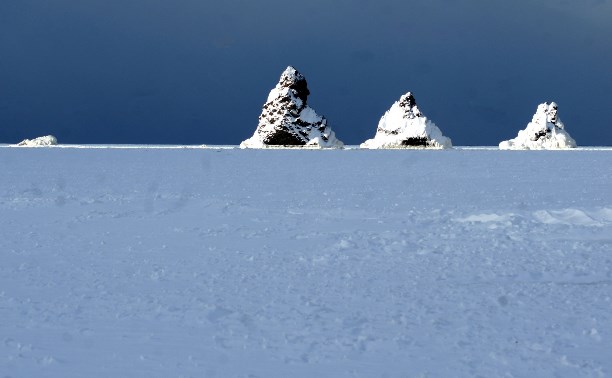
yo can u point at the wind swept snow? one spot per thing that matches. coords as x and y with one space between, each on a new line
377 263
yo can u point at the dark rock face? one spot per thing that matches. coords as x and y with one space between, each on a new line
540 134
408 103
295 81
415 142
283 138
287 120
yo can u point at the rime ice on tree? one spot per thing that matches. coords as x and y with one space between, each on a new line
287 120
404 126
544 132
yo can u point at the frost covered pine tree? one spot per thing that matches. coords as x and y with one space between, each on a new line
544 132
287 120
404 126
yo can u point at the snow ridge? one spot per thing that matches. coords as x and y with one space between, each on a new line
48 140
404 126
287 120
544 132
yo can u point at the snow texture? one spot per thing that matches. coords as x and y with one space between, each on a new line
404 126
286 119
43 141
231 263
544 132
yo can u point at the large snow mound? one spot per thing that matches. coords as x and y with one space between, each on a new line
48 140
544 132
404 126
287 120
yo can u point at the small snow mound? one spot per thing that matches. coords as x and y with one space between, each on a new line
486 218
287 121
43 141
567 217
604 215
544 132
404 126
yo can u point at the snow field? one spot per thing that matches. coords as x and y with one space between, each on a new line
250 263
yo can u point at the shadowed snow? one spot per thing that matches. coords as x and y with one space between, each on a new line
233 263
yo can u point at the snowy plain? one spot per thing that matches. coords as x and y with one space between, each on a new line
221 262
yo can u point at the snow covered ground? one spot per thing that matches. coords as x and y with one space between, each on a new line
187 262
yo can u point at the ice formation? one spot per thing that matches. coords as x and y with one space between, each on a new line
287 120
404 126
48 140
544 132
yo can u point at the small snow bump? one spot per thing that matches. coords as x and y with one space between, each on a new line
47 360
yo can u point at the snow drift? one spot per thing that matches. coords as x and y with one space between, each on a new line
404 126
544 132
48 140
287 120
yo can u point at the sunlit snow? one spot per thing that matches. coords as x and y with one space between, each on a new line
44 141
405 126
544 132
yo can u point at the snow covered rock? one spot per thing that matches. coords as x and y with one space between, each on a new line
404 126
48 140
544 132
287 120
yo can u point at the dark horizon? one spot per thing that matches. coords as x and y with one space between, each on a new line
193 72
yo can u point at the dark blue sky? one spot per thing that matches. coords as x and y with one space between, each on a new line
196 71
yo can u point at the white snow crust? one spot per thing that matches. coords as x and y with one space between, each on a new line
544 132
230 263
404 126
48 140
286 111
